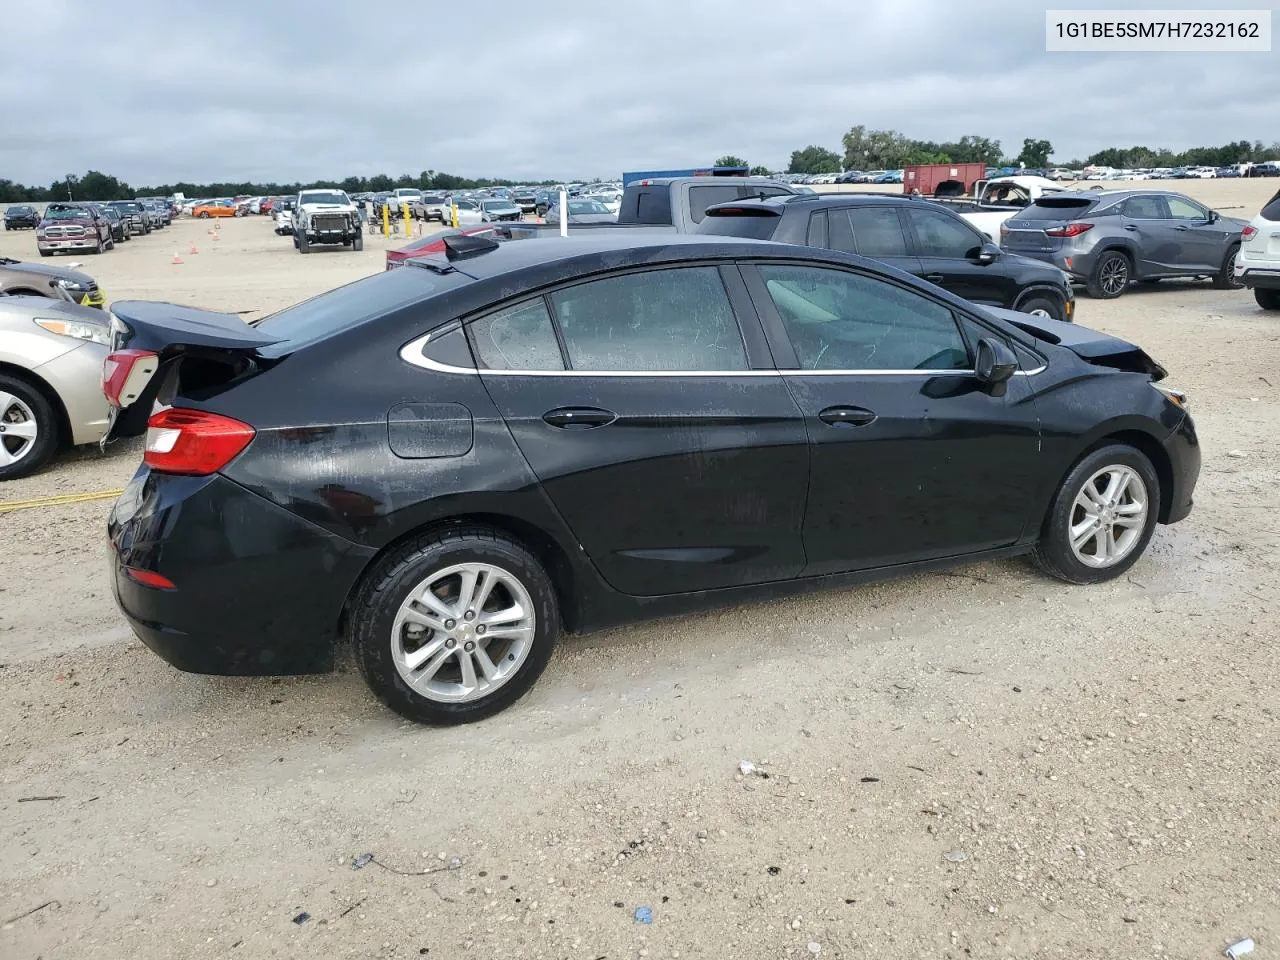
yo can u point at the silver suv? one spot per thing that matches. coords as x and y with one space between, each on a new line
1107 238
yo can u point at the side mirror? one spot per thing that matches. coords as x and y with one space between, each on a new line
1214 216
996 364
985 254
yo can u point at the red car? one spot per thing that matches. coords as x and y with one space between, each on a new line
434 244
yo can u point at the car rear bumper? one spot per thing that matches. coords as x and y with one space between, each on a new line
1256 276
257 589
1183 448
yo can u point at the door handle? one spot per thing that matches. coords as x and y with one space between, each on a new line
579 418
1130 226
933 277
846 416
1180 227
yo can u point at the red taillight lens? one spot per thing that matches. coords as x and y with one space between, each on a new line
1004 229
125 373
193 442
150 578
1070 230
1249 232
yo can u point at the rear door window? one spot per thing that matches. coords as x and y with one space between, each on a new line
658 320
877 232
517 338
1145 208
817 234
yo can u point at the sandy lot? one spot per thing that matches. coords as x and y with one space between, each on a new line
982 763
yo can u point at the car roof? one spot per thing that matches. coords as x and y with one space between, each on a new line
609 249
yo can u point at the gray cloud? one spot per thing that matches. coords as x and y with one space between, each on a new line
286 90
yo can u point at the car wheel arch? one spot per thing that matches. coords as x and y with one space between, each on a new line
51 395
1136 435
545 547
1040 290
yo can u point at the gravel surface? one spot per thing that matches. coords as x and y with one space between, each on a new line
981 763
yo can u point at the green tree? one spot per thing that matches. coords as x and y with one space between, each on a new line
729 160
1035 153
759 171
973 149
814 160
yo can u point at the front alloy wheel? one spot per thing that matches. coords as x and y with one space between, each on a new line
1101 518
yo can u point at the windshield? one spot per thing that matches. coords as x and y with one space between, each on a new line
340 198
496 204
337 310
66 213
126 205
587 206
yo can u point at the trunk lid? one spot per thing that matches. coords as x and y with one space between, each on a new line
1030 231
156 339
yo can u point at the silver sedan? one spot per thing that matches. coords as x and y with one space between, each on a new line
51 356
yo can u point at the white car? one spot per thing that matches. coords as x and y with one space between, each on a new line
611 200
1203 173
326 216
1258 260
468 212
284 221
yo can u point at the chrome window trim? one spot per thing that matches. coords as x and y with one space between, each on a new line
411 353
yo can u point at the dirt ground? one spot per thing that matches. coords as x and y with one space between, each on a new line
981 763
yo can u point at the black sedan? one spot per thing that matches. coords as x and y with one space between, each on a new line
451 463
921 237
21 216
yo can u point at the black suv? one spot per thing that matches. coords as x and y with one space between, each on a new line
21 215
923 238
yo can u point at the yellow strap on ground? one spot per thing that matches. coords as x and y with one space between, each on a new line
7 506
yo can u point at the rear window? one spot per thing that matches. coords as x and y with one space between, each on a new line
346 307
701 197
651 204
740 222
1272 210
1056 208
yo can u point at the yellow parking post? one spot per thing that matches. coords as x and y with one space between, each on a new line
454 215
404 212
386 220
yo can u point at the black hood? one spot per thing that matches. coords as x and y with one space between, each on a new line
53 273
1100 349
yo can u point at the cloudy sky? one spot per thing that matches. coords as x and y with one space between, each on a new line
284 90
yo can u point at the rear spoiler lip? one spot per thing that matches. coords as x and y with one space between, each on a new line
159 326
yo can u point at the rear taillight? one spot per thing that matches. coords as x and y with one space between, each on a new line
126 373
1249 232
150 578
193 442
1004 229
1070 230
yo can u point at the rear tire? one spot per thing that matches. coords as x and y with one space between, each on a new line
385 643
1095 516
1267 299
23 404
1110 277
1043 306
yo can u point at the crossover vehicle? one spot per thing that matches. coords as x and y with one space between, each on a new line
119 232
51 356
452 462
1106 239
21 216
214 208
1257 264
495 209
134 215
924 238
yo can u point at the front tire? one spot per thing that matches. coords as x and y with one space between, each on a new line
358 242
302 244
1267 299
1102 517
418 649
1110 277
28 428
1226 277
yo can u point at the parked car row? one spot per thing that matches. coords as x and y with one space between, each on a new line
87 226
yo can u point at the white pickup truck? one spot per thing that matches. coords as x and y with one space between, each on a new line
995 201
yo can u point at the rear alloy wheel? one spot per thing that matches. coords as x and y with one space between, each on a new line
1110 276
1267 299
1226 277
1102 517
1042 307
455 626
28 428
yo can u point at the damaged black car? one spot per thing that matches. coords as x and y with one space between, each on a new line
451 464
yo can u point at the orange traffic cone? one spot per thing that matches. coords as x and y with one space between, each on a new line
176 258
193 249
215 236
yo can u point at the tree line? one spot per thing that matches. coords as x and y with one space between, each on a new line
889 150
95 185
